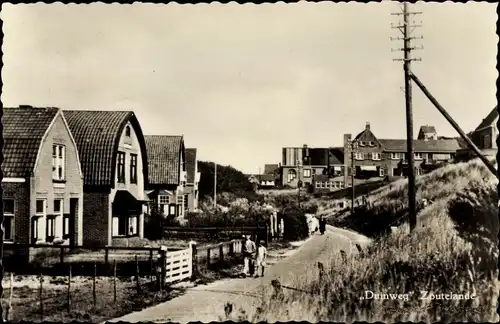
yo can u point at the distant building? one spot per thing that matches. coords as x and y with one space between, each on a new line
266 181
275 170
484 137
427 132
303 163
378 158
42 178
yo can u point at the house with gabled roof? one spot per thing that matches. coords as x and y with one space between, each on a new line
192 180
114 162
484 137
427 132
378 158
167 173
42 178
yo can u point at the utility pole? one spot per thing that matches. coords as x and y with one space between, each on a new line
405 30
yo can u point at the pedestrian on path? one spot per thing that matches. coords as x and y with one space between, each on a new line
249 250
261 259
322 225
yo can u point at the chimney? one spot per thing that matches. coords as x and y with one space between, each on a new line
306 151
367 125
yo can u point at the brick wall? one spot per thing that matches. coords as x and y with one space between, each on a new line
20 192
95 218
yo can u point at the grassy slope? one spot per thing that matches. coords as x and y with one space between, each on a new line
452 251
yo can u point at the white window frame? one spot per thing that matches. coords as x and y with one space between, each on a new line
395 156
291 176
418 156
307 173
59 218
361 143
376 156
317 184
419 171
359 156
120 168
381 172
11 216
58 162
39 218
371 143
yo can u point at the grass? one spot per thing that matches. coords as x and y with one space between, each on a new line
453 250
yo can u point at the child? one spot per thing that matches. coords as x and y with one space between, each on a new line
261 259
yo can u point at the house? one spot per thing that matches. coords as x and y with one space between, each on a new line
193 180
113 157
167 174
266 181
306 162
42 178
378 158
427 132
484 137
275 170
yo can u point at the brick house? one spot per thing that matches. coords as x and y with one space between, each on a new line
42 178
114 162
167 173
484 137
193 180
305 162
378 158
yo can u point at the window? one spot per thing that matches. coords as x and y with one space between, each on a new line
486 141
376 156
40 213
185 202
127 131
395 156
381 172
418 156
58 163
359 156
313 171
361 143
292 174
371 143
120 171
341 185
8 219
58 218
171 210
133 168
66 227
419 171
307 173
51 228
317 184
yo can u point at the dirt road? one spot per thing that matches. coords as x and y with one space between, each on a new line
205 303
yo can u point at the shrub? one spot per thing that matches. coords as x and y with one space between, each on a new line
295 224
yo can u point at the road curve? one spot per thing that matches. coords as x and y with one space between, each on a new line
205 303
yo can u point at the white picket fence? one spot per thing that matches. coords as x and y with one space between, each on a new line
179 265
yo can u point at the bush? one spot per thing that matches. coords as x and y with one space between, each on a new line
295 224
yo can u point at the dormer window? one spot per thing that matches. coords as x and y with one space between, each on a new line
127 131
361 143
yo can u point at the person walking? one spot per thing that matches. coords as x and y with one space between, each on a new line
260 261
249 250
322 225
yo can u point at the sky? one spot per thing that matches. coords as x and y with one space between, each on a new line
242 81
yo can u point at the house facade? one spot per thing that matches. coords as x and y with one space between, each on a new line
484 137
42 178
378 158
113 157
266 181
193 179
167 174
304 163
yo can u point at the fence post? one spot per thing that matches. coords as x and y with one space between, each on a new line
194 259
41 296
163 261
208 256
137 274
106 255
114 281
9 310
69 289
94 284
61 256
151 265
221 252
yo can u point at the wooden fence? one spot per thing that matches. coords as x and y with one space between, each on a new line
179 264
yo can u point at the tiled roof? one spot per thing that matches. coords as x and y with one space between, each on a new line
431 146
426 129
266 177
190 164
164 154
23 130
270 168
97 135
489 120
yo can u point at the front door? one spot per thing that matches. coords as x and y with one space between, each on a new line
73 212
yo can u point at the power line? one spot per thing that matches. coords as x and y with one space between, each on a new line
404 28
